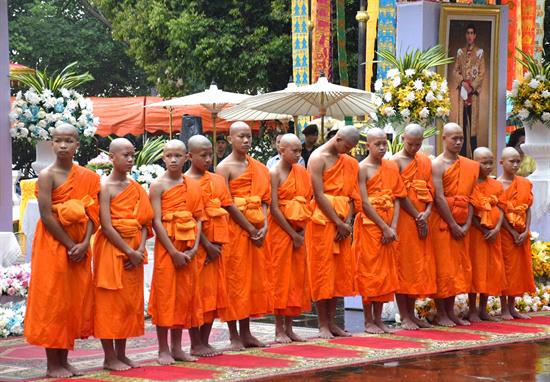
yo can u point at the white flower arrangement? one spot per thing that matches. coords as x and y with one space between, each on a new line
14 280
145 174
12 316
35 114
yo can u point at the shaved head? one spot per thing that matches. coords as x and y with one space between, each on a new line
451 128
65 128
414 130
481 152
375 133
236 126
289 140
175 144
348 133
509 152
198 142
118 144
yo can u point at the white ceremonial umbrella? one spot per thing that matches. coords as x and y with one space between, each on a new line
322 98
212 99
242 113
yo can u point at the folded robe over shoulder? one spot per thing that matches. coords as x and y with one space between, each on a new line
515 201
244 263
452 259
288 265
59 305
175 301
416 261
215 227
488 275
376 276
332 264
118 292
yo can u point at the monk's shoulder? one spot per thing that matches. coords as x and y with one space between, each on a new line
523 182
391 166
351 162
193 185
259 166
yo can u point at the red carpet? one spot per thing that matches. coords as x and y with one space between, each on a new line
313 351
539 320
377 342
439 335
245 361
166 373
498 327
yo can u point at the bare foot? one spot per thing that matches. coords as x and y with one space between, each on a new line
506 316
373 329
338 331
203 351
218 351
282 338
180 355
484 316
165 358
293 336
474 317
408 324
384 327
325 334
519 315
128 362
444 321
58 372
115 365
249 341
236 345
460 321
422 323
74 371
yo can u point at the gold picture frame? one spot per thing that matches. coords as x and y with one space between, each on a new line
453 22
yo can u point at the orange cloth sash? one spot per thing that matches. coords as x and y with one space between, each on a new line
516 214
458 205
340 203
251 207
420 186
180 226
73 211
485 205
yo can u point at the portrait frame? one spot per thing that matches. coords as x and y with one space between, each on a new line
454 20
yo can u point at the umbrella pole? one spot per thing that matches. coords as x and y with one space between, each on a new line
322 128
295 124
214 116
170 127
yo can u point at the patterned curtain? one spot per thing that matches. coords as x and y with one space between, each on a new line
321 51
387 19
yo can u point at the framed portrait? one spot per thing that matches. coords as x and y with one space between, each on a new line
473 35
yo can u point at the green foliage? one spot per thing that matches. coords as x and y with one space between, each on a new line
52 33
151 151
535 67
417 59
244 45
41 80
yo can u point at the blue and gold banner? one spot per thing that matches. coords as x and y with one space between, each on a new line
387 23
300 49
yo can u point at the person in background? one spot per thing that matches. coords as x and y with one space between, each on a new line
528 165
271 162
221 147
311 135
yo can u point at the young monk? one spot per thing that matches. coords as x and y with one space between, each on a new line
488 277
374 234
214 237
59 305
454 178
416 262
291 194
245 264
516 202
119 254
331 261
174 302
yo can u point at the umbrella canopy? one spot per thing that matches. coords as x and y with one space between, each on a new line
242 113
18 68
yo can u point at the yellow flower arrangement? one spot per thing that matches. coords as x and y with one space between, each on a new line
540 252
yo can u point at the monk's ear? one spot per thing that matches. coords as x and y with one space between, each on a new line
229 140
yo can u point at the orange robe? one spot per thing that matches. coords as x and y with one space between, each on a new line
244 263
215 227
118 292
377 277
515 201
332 264
452 259
288 265
416 261
175 300
488 275
60 301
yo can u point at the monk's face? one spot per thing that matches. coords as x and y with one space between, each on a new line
378 147
453 141
123 158
486 164
65 144
291 152
241 139
344 146
201 158
174 158
412 144
510 163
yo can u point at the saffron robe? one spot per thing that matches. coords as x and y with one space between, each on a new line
60 301
415 260
377 276
215 227
288 265
518 265
331 264
488 275
244 263
452 259
118 292
175 300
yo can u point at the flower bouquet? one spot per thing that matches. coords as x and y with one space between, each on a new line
540 252
14 280
101 164
12 316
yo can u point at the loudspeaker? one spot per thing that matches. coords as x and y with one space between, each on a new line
190 125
